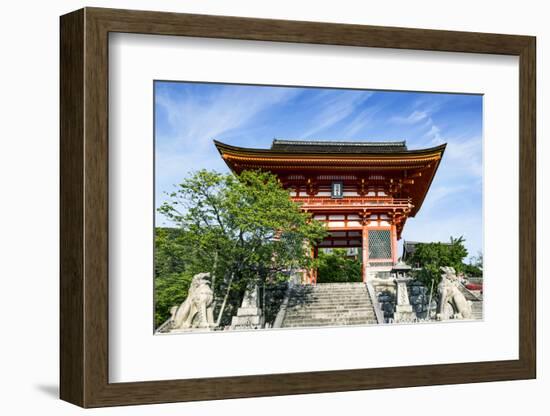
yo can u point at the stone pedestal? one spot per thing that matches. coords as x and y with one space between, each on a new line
403 310
249 316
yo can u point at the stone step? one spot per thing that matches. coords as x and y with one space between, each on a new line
356 296
328 316
337 290
314 320
329 295
327 325
321 287
330 304
312 306
352 301
333 300
321 309
324 286
343 284
330 289
324 325
334 296
323 313
329 322
477 310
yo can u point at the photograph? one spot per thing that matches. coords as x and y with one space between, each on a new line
296 207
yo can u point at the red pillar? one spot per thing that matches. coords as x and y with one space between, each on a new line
394 243
365 252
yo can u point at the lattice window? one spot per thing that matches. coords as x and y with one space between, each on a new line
380 244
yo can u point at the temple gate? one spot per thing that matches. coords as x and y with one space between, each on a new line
363 191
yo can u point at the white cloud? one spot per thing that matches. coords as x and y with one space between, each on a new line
197 120
413 118
335 109
465 154
434 134
361 120
422 117
442 192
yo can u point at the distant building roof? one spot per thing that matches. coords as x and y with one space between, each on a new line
319 146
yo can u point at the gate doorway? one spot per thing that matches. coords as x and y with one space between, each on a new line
339 265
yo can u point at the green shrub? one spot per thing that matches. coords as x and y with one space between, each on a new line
338 267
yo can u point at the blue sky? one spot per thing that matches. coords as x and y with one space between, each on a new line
188 116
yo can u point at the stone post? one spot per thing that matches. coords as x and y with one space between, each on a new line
249 315
403 309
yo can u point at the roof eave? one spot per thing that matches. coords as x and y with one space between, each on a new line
419 205
223 147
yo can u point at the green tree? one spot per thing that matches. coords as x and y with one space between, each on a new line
336 266
244 229
471 270
431 256
477 261
474 267
172 277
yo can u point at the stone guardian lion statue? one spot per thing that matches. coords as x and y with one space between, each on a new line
452 303
196 311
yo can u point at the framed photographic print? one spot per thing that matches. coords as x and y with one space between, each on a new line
255 207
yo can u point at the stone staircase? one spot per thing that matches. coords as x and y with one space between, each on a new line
477 302
477 310
329 304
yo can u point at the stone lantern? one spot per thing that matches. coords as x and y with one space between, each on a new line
403 309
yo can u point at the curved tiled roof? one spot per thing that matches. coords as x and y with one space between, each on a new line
308 148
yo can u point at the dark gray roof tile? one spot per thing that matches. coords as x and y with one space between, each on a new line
318 146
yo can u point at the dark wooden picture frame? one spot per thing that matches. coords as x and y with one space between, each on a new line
84 207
